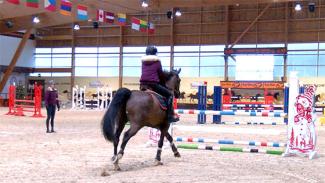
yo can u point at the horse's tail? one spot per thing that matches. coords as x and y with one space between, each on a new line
115 113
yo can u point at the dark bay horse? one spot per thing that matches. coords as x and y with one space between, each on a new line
140 109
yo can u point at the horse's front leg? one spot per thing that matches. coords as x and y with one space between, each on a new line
160 144
172 145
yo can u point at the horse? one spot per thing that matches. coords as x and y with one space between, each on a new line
193 96
182 96
141 109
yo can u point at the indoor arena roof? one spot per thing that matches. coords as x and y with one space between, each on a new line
21 16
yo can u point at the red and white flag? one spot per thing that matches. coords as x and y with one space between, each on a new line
109 17
100 15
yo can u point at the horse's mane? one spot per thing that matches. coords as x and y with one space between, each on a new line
167 75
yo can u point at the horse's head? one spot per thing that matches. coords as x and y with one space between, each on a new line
173 82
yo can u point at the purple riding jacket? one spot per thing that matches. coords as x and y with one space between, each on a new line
51 97
151 70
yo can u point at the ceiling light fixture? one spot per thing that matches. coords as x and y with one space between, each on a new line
298 7
36 20
76 27
144 4
178 12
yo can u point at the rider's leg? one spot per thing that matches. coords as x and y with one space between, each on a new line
169 96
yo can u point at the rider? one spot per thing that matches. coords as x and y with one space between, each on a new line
151 77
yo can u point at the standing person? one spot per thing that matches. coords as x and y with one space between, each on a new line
152 75
51 102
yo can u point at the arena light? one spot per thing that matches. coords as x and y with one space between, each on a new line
76 27
298 7
144 4
36 20
9 24
311 7
178 12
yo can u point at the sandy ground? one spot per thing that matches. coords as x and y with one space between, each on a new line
79 153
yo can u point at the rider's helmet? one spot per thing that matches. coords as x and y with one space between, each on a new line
151 50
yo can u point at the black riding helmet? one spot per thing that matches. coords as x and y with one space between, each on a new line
151 50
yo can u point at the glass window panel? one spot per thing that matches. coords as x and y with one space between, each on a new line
212 54
43 62
61 50
186 54
304 71
108 62
163 49
186 61
166 68
302 52
321 71
109 50
163 54
41 74
165 61
86 55
189 72
43 50
232 71
108 71
212 71
86 71
322 46
302 59
186 48
132 71
86 62
61 74
278 71
43 56
212 48
322 52
212 61
269 45
62 55
231 62
86 50
61 62
133 55
245 46
134 49
303 46
109 55
131 61
278 60
321 60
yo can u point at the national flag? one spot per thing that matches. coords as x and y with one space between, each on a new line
100 16
151 28
143 26
66 7
13 1
50 5
135 24
121 19
82 12
109 17
32 3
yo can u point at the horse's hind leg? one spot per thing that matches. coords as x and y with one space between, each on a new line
116 141
134 128
160 144
172 145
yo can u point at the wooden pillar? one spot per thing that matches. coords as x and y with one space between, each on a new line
73 59
285 62
226 74
172 42
15 58
120 75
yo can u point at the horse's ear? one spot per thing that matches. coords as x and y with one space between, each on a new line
179 70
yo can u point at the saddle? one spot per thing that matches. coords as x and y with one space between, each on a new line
161 99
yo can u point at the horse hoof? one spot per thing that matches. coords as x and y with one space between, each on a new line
117 168
177 155
157 163
119 156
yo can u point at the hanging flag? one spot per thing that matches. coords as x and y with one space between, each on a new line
100 16
109 17
13 1
135 24
143 26
82 12
50 5
121 19
32 3
151 28
66 7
